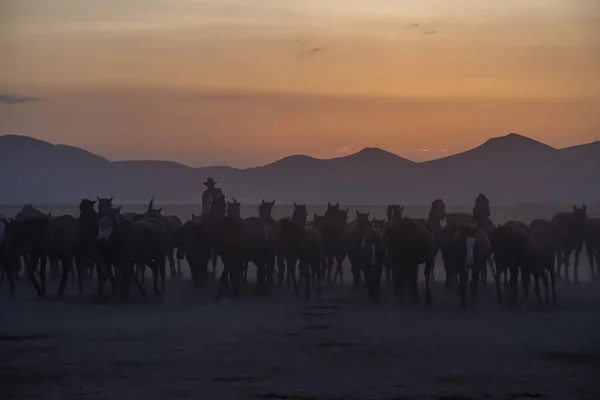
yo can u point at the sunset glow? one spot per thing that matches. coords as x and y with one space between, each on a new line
242 83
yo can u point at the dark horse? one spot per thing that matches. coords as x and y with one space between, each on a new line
303 241
287 255
373 257
570 230
409 245
471 250
506 241
332 226
353 238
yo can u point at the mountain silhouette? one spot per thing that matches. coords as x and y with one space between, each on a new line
511 168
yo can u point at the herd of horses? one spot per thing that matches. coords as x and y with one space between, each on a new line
108 245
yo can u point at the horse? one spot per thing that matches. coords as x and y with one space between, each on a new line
332 226
394 214
409 245
287 256
569 235
105 206
305 242
373 254
471 250
353 237
88 228
261 235
537 259
171 224
505 241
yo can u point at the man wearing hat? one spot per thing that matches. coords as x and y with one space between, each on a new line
209 194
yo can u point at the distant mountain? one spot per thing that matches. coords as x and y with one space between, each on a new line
511 168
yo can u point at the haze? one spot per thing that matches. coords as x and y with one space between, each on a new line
241 83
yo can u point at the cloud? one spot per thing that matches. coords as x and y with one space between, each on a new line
430 33
415 25
424 150
343 149
6 98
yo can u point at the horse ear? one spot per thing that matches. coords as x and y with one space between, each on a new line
574 207
273 202
98 198
368 213
159 210
262 203
357 213
328 204
111 199
193 216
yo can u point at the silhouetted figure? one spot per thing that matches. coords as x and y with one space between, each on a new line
210 194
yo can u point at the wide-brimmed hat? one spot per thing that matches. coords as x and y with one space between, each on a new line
210 181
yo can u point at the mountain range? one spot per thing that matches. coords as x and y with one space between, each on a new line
508 169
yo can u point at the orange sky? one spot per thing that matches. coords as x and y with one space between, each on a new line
243 82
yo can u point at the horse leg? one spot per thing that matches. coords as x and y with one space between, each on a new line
463 277
576 264
476 273
498 279
179 254
388 270
514 285
525 280
544 278
316 270
270 271
537 289
291 269
281 264
171 259
340 271
133 277
559 261
80 268
414 285
43 263
329 267
590 253
67 267
235 276
305 276
429 265
214 259
31 266
223 281
567 259
260 278
100 273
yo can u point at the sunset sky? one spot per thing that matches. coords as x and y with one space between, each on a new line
245 82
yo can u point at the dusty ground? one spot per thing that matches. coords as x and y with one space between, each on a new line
339 347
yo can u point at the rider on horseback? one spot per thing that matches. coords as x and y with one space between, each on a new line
210 194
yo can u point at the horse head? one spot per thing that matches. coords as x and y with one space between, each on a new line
265 209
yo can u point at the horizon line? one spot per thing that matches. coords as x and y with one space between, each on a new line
446 155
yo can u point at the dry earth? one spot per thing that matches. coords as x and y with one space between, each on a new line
338 347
